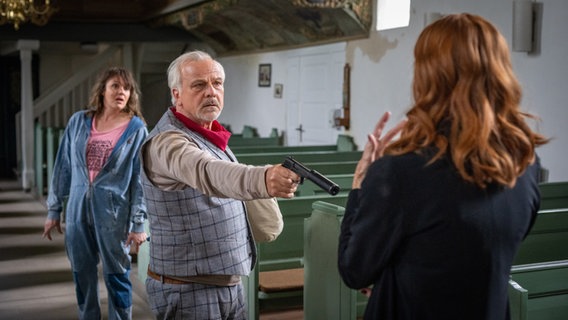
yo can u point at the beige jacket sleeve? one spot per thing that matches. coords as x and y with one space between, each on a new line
173 161
265 219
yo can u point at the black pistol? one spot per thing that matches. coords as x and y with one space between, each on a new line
312 175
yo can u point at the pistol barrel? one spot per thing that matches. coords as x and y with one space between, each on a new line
312 175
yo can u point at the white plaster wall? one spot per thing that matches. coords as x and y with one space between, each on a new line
248 104
382 74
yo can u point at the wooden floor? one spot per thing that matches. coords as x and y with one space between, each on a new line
35 278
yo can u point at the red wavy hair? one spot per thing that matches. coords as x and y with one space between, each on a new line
467 103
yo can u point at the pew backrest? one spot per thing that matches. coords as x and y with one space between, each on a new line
304 157
344 143
332 168
544 241
553 195
236 141
321 240
539 291
246 149
287 251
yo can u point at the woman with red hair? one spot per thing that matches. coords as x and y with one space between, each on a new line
435 218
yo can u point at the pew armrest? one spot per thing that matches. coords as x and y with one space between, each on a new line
518 299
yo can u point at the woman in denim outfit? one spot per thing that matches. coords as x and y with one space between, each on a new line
96 178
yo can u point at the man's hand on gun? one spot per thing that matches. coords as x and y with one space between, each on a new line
281 182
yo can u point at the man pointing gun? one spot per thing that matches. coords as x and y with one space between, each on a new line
197 195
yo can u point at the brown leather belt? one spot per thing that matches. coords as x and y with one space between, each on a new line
215 280
165 279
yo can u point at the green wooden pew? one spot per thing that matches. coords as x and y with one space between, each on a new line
283 258
544 242
284 253
287 251
545 245
321 234
553 195
332 168
304 157
321 239
344 143
236 141
250 137
246 149
539 291
249 132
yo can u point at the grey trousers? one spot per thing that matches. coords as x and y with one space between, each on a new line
194 301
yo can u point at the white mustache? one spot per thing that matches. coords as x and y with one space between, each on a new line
210 102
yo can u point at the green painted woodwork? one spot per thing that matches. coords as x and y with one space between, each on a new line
304 157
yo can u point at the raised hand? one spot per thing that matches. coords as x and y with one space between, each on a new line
375 147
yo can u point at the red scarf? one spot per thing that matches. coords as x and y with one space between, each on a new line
218 135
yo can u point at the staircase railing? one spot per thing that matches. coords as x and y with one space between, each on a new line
52 109
56 104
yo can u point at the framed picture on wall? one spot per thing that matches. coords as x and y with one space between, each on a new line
264 74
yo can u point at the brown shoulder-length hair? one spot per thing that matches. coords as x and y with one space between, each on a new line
96 101
466 103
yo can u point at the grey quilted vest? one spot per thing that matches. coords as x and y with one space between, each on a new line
192 233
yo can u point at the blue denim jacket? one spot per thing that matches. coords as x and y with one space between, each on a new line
116 192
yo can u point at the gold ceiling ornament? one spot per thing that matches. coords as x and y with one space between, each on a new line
17 12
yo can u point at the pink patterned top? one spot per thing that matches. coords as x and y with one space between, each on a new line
100 147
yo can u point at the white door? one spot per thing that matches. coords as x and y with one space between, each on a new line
315 86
